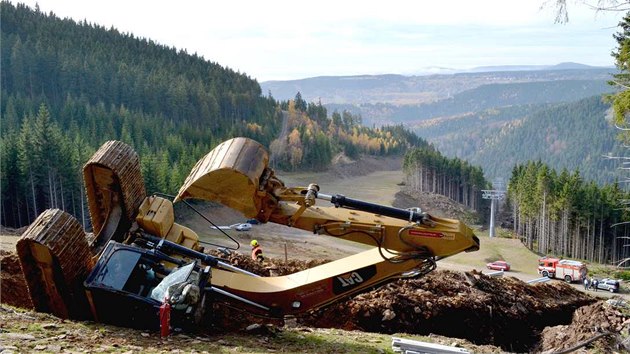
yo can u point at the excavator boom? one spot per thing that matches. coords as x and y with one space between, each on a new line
406 242
236 174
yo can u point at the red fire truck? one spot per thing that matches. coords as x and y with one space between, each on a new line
566 269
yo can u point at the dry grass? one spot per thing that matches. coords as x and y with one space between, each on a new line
377 187
25 331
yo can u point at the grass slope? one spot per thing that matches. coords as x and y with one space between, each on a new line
522 260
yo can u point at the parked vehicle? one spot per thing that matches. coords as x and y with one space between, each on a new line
244 227
253 221
499 265
566 269
611 285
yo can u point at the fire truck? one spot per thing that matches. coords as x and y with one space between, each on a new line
566 269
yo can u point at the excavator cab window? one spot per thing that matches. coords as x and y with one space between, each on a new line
179 275
129 271
118 269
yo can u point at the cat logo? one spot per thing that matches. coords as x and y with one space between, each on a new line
348 281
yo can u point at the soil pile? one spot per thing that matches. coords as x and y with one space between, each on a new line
596 327
270 267
504 312
344 167
434 204
13 289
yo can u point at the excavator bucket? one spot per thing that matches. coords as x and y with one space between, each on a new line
229 174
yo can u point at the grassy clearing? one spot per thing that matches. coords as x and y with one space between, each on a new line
511 250
377 187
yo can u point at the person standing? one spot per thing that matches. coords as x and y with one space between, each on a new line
585 283
257 253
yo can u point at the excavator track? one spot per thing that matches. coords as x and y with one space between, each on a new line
115 189
55 257
55 254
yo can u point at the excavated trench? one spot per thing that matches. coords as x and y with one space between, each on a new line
504 312
445 303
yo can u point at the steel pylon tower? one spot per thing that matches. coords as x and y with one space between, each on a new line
494 195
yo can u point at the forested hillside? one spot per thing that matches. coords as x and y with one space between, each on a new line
562 214
489 96
68 87
427 170
572 136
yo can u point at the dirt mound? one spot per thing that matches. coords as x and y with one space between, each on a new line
595 326
500 311
434 204
343 167
13 289
505 312
270 267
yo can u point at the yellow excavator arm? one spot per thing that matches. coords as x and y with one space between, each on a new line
57 255
236 174
406 242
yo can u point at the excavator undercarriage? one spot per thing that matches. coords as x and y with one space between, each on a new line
142 269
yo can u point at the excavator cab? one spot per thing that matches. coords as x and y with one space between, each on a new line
130 284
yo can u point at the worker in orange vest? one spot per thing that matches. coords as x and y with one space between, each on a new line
257 253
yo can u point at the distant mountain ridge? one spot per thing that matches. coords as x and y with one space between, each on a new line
422 89
479 99
560 66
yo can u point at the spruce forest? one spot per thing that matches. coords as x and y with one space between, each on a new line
68 87
561 214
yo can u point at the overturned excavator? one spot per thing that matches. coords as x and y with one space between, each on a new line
140 268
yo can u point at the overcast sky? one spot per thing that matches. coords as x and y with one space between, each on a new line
281 40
